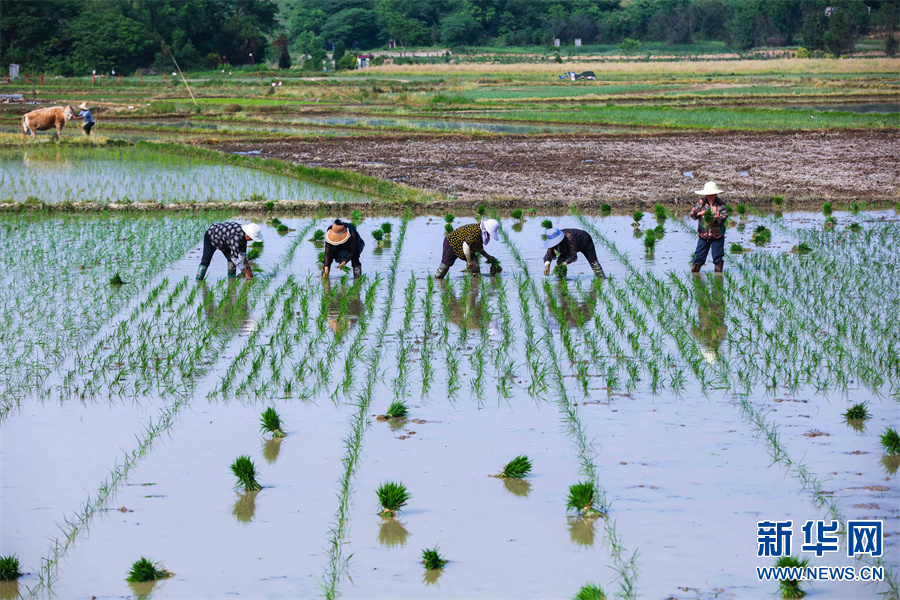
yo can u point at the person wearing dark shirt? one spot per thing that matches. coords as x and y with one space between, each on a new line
88 118
711 215
231 239
565 244
343 244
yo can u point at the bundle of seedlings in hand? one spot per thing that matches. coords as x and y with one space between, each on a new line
561 271
581 498
432 559
318 236
890 441
9 568
116 280
245 471
517 468
517 214
857 412
392 497
590 592
397 410
253 254
650 240
761 235
145 569
790 588
378 235
270 422
495 265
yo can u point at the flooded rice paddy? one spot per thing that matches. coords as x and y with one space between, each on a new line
698 405
115 175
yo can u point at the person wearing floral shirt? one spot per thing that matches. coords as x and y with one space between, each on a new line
230 238
711 214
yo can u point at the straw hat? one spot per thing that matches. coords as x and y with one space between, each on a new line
337 234
489 230
83 106
710 189
554 237
252 231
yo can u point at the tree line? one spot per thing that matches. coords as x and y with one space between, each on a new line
78 36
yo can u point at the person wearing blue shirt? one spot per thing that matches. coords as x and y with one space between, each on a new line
88 118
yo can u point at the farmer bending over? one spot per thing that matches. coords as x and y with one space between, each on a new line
711 215
565 244
465 243
343 244
231 238
88 118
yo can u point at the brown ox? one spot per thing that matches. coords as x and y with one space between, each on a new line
46 118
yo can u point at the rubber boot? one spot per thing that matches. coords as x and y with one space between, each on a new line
442 271
232 271
598 270
720 266
357 272
201 272
695 268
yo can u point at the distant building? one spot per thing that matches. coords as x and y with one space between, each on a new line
362 60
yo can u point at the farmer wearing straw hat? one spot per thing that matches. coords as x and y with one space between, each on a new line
342 244
88 118
465 243
230 238
711 215
565 244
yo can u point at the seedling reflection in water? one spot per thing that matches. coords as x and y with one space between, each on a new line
392 497
270 422
581 498
145 569
517 468
245 471
9 568
432 559
790 588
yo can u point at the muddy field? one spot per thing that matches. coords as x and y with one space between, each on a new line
619 170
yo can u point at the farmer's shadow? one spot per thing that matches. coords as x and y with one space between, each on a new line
344 305
710 330
466 310
565 305
231 313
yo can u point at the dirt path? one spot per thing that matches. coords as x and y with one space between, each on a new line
799 166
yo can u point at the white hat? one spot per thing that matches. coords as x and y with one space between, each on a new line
489 228
252 230
554 237
710 189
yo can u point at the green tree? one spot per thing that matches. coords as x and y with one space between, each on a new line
460 29
356 27
339 50
406 21
308 42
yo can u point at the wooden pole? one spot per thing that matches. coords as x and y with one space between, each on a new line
182 78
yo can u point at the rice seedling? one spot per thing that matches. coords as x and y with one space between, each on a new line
245 472
659 231
270 206
830 222
145 569
854 207
659 211
481 210
742 209
116 280
432 559
448 228
392 497
637 216
318 235
790 588
387 227
449 218
560 271
9 568
827 209
517 214
517 468
590 591
761 235
802 248
546 224
397 410
253 254
778 200
854 227
321 258
736 248
494 263
356 216
650 240
270 422
890 441
581 499
857 412
378 235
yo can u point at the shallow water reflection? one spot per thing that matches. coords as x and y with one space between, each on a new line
9 590
432 575
710 330
517 487
392 533
271 449
141 589
245 507
581 531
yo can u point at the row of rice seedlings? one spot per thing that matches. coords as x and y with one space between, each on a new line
625 566
337 560
768 429
204 330
357 345
451 350
428 335
404 345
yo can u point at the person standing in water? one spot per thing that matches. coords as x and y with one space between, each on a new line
711 215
